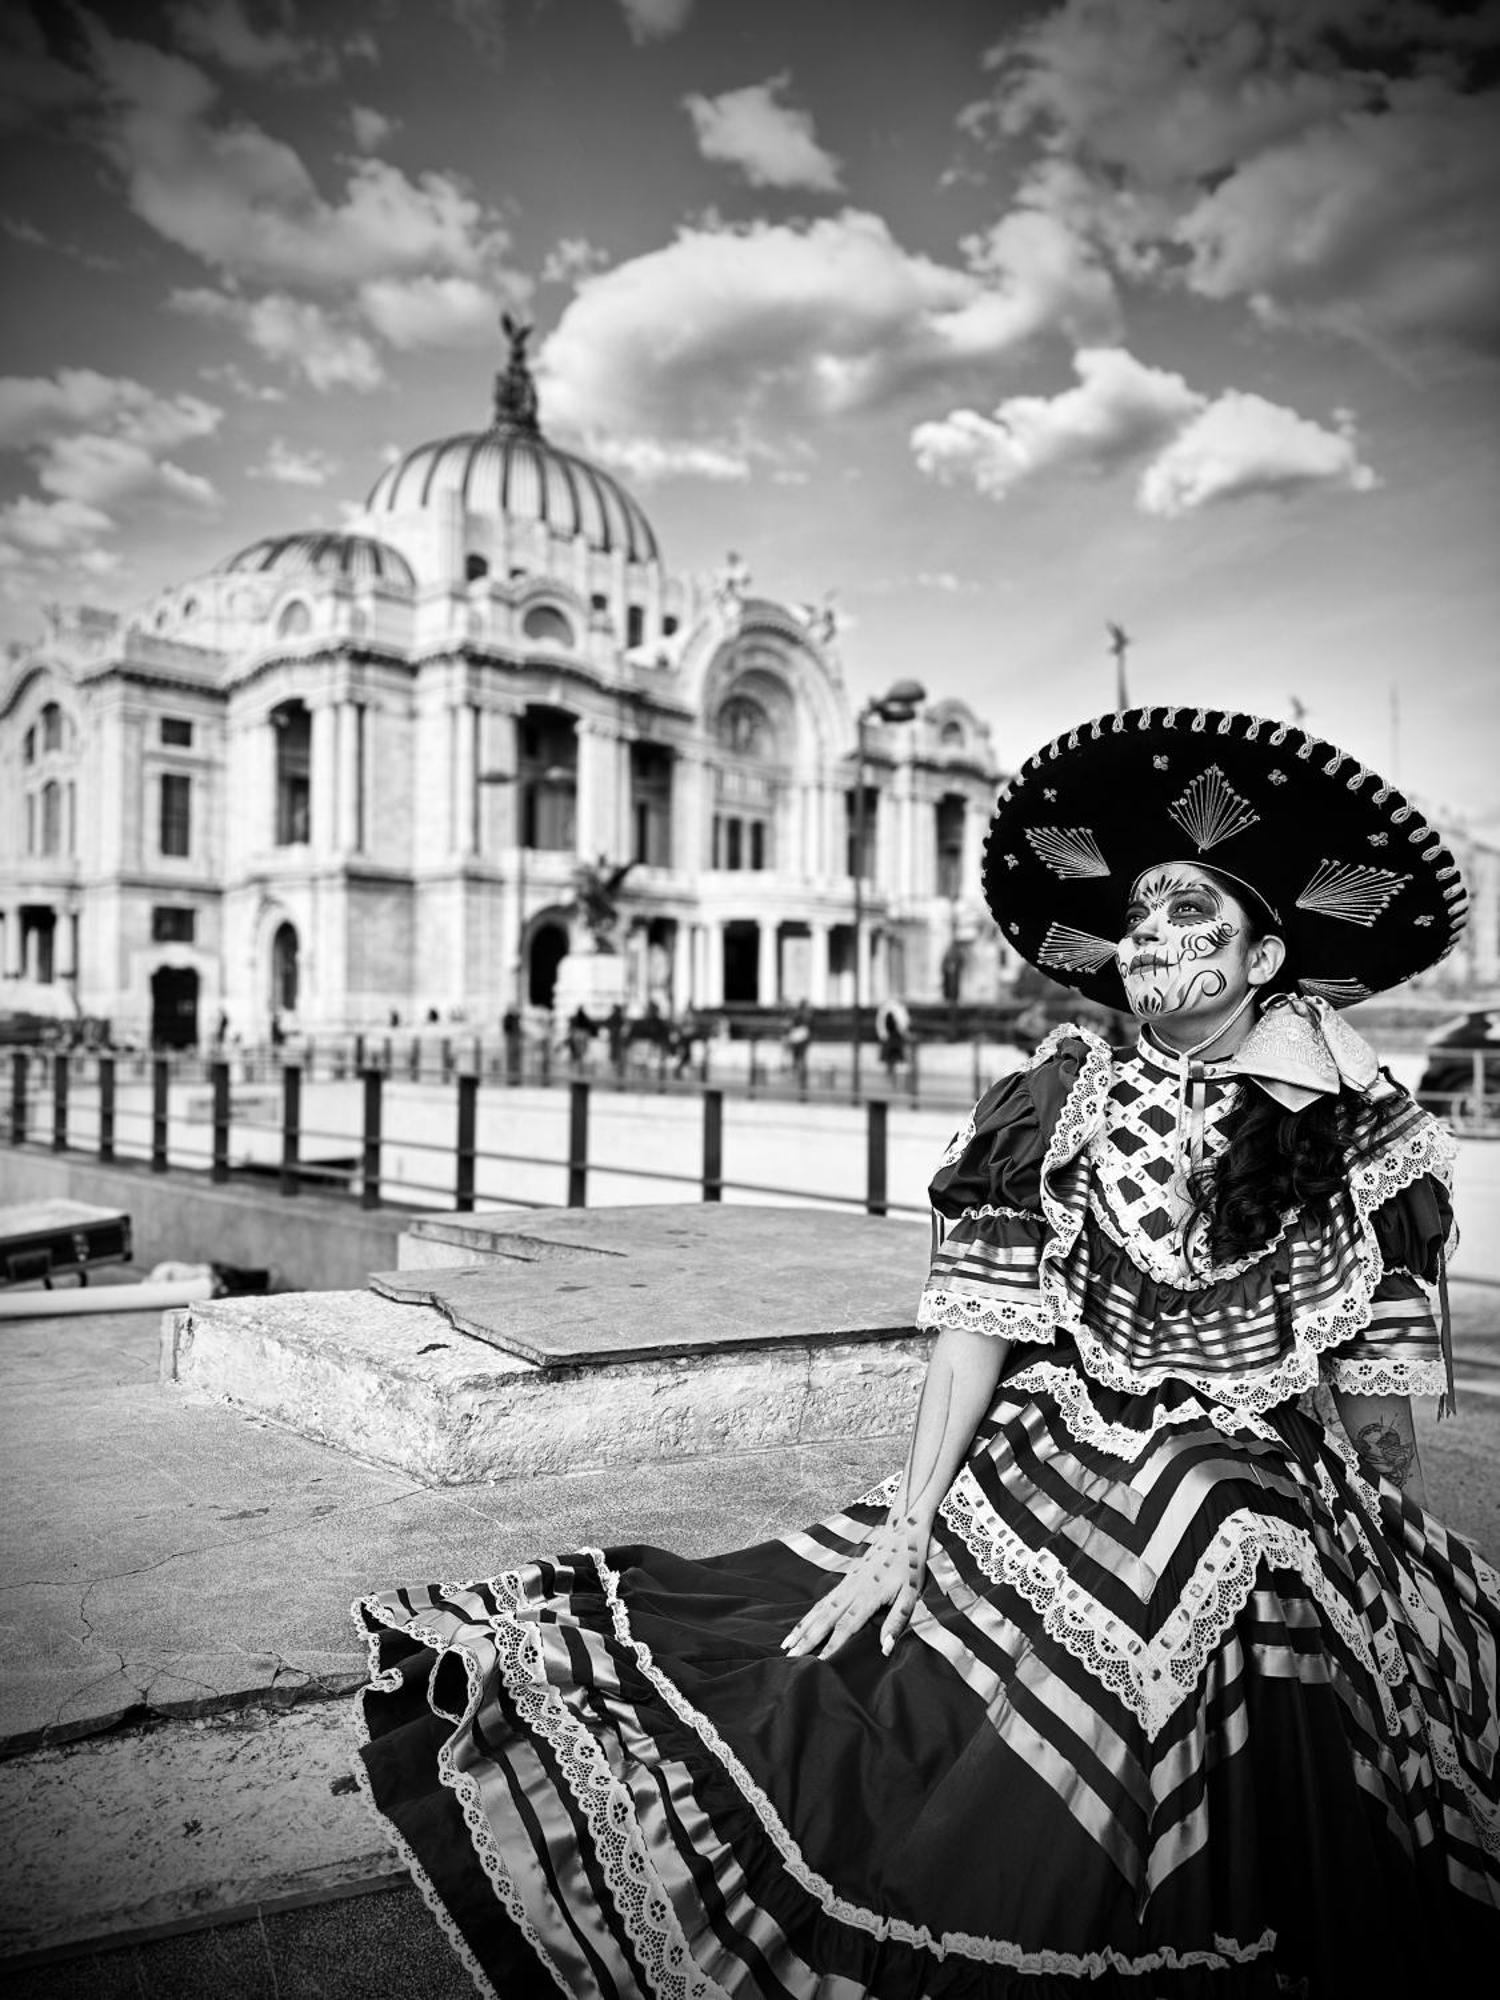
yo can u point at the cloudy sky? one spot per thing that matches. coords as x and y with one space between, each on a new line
993 322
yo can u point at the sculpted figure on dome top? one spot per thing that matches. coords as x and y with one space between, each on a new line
515 389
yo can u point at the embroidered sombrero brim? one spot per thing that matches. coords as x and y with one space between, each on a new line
1365 892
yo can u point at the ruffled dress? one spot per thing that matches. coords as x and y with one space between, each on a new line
1191 1705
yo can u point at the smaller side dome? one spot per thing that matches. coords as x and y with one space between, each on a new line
357 558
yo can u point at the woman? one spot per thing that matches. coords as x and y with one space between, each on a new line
1149 1675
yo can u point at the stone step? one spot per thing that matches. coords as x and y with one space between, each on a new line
586 1339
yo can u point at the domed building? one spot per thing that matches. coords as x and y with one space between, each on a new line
349 775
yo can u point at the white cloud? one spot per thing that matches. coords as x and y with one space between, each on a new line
1240 445
302 336
287 466
370 128
572 258
770 142
245 202
725 334
430 311
1119 410
1193 450
222 32
100 471
1380 226
654 20
647 459
234 378
93 441
1335 163
483 21
37 409
50 527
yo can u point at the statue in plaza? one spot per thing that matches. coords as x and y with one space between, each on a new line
515 388
597 899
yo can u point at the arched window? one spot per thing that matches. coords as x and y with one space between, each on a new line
745 728
52 817
284 970
475 567
54 727
546 622
294 620
953 736
293 727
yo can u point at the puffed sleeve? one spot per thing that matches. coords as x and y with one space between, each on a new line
1399 1352
985 1274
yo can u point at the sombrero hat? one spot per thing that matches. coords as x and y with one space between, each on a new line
1363 891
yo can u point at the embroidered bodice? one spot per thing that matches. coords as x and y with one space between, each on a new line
1159 1126
1066 1197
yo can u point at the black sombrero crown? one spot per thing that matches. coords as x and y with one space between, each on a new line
1364 891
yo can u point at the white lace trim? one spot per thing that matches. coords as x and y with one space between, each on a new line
1388 1378
1086 1426
1154 1676
960 1944
389 1682
978 1314
1427 1150
643 1905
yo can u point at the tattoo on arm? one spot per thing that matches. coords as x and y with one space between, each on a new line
1382 1446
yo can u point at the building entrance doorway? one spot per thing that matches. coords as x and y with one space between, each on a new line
545 952
741 963
174 1007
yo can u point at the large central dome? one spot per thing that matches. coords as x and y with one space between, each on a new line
512 469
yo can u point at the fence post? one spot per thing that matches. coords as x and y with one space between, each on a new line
359 1051
713 1145
220 1168
463 1186
369 1192
60 1102
978 1080
578 1145
291 1128
447 1058
415 1059
753 1079
876 1109
106 1107
912 1074
160 1079
18 1068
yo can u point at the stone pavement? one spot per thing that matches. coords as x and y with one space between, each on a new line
176 1659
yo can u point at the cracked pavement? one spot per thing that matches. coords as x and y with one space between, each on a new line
176 1651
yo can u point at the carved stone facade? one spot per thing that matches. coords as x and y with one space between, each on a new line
348 776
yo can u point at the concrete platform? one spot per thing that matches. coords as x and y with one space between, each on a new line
586 1339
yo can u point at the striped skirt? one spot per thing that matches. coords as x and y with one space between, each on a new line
1188 1708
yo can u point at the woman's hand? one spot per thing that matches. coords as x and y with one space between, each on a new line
888 1576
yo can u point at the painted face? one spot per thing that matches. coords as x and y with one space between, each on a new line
1185 943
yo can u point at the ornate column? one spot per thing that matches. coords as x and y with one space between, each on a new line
463 814
349 718
324 779
682 965
594 788
768 970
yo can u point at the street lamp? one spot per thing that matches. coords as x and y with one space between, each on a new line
899 703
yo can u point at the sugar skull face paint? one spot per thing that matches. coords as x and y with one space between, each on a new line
1184 946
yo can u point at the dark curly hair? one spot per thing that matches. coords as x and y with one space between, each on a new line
1273 1159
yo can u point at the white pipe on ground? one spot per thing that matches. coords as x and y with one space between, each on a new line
105 1298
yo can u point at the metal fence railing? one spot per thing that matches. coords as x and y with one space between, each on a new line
153 1110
